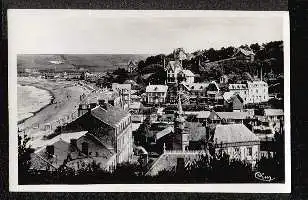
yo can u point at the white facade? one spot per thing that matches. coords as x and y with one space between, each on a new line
252 92
156 94
258 92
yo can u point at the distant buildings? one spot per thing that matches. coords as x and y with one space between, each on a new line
244 55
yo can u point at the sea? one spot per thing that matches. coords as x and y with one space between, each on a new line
30 99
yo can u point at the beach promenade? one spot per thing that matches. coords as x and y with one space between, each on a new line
62 109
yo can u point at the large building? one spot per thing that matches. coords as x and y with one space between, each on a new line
74 150
252 92
237 141
156 94
111 125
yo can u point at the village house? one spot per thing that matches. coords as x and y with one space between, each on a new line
252 92
73 150
131 66
258 92
201 92
233 102
227 117
111 125
156 94
244 55
241 90
238 142
275 118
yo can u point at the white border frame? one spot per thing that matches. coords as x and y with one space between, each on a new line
229 188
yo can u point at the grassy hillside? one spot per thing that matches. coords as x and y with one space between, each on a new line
98 62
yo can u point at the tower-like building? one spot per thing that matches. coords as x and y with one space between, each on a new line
180 138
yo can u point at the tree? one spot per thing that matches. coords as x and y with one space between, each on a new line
24 156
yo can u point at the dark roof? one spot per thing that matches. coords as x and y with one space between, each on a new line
111 116
41 160
196 131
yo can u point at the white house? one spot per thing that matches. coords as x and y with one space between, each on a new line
252 92
258 92
156 94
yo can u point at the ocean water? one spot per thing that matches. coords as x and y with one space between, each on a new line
30 99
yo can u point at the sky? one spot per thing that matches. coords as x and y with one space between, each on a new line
145 32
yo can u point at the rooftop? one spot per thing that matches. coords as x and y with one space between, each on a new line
273 112
232 115
156 88
168 161
203 114
233 133
111 116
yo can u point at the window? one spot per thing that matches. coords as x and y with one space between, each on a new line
249 151
85 148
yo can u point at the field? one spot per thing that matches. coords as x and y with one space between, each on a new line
92 62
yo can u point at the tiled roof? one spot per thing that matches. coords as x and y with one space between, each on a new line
111 116
273 112
197 86
233 133
174 65
169 162
164 132
156 88
203 114
116 86
232 115
136 105
188 72
66 137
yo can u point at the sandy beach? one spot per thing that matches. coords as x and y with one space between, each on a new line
66 96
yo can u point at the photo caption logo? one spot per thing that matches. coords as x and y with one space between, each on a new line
260 176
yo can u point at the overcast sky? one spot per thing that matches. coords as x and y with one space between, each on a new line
143 32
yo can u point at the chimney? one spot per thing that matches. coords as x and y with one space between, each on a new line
50 149
180 166
73 142
103 104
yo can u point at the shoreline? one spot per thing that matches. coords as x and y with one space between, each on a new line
63 104
52 96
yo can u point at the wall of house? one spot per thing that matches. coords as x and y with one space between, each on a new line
124 140
258 92
160 96
94 149
243 153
